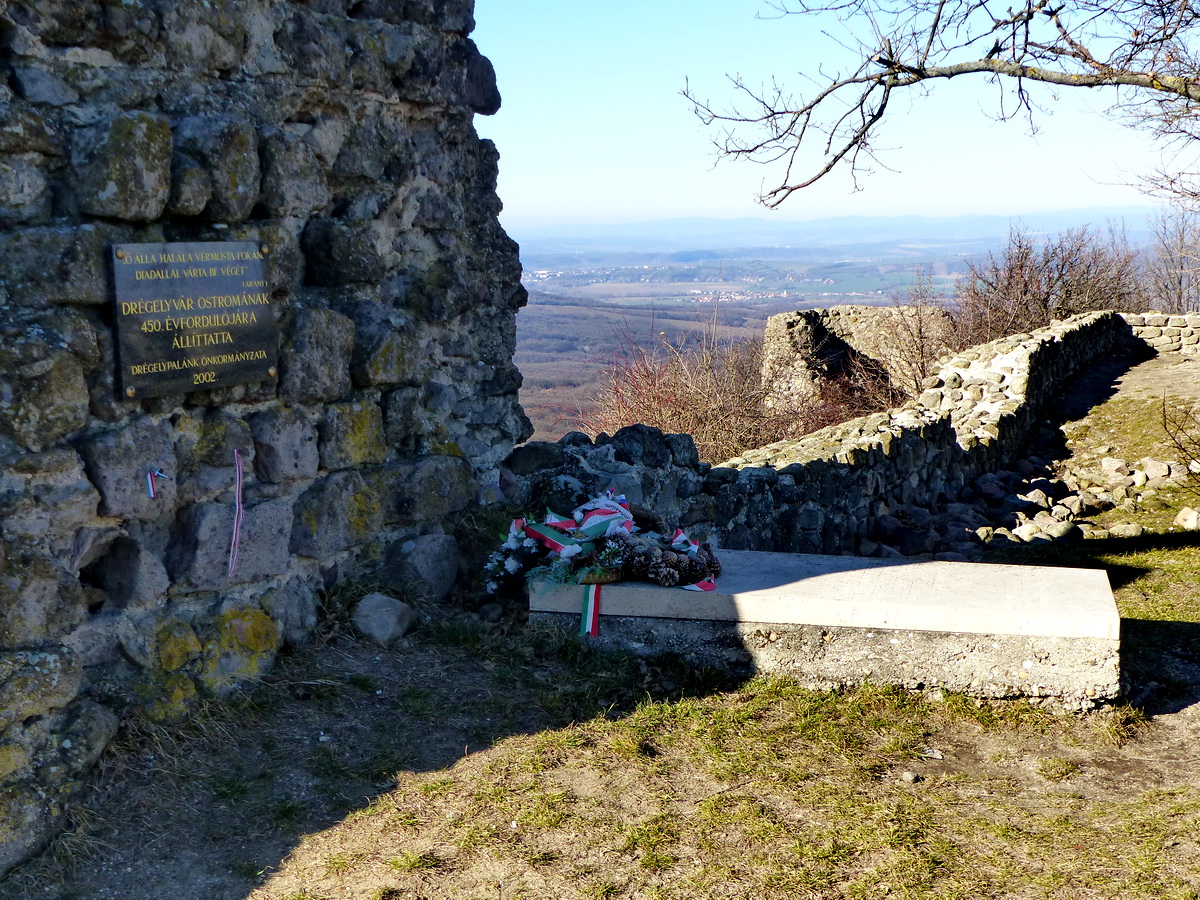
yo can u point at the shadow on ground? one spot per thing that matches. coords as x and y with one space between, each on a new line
209 808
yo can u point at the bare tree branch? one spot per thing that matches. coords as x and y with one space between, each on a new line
1140 49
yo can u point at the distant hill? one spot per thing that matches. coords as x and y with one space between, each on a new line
969 234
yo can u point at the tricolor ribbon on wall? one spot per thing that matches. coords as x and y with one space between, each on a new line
151 474
589 622
239 513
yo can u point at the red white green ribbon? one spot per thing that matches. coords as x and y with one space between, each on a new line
589 623
555 539
681 543
554 520
239 513
151 474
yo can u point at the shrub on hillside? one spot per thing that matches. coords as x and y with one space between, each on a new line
713 390
1033 283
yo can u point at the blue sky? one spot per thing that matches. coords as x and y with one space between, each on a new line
593 128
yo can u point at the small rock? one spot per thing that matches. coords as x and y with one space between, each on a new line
1126 530
1038 498
1005 535
1027 533
993 491
1045 519
1154 468
1188 519
1113 466
909 777
1074 504
382 618
1062 530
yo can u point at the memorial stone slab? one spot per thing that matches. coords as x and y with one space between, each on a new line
989 630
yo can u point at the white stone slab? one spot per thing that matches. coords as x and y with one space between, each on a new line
833 591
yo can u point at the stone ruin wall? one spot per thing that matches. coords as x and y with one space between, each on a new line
834 490
804 349
339 134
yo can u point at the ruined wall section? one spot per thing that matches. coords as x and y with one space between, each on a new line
836 490
338 134
803 349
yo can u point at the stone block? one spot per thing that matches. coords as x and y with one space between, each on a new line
191 186
133 575
985 630
40 85
35 683
44 267
293 181
43 395
123 167
24 196
352 435
385 346
239 647
316 357
23 129
536 456
29 822
339 511
117 463
227 147
641 445
293 608
209 438
80 736
196 40
434 489
341 252
427 564
40 601
683 450
199 555
285 445
176 645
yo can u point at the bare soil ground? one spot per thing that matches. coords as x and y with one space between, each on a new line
483 760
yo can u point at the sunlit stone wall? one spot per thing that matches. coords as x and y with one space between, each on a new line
338 135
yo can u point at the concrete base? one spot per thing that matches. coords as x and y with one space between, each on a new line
993 631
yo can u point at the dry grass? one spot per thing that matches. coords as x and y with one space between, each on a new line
715 390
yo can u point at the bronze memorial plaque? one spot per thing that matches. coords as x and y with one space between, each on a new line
192 316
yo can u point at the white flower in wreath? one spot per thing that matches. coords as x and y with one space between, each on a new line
512 565
492 587
570 550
